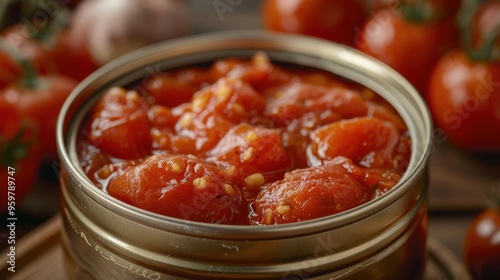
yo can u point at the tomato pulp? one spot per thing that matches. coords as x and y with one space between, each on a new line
244 141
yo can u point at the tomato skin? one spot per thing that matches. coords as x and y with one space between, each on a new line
398 42
464 99
182 187
26 166
482 246
119 125
331 20
42 102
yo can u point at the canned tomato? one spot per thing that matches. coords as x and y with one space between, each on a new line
384 238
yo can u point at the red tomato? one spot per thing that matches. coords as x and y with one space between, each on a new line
42 99
182 187
400 42
464 98
19 155
119 125
482 245
331 20
57 54
9 70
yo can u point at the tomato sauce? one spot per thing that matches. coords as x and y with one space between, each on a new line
245 142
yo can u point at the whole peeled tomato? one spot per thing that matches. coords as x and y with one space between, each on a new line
331 20
398 38
482 245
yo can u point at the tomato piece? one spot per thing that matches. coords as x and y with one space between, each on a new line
176 87
259 72
212 112
312 105
367 141
309 193
42 99
392 38
19 155
464 99
251 155
482 246
331 20
119 125
182 187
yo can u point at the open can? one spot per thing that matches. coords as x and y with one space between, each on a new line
105 238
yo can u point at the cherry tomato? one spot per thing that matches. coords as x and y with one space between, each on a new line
119 125
482 245
331 20
397 40
19 155
182 187
9 69
464 98
42 99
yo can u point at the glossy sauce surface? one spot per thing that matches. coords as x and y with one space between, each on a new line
244 141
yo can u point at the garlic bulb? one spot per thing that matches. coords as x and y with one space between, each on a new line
111 28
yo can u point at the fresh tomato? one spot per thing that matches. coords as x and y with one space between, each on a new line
19 155
464 91
399 40
482 245
9 69
331 20
41 98
182 187
464 98
50 53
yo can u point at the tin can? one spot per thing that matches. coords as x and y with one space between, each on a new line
105 238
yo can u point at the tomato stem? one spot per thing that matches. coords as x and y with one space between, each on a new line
417 11
30 79
486 52
59 21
